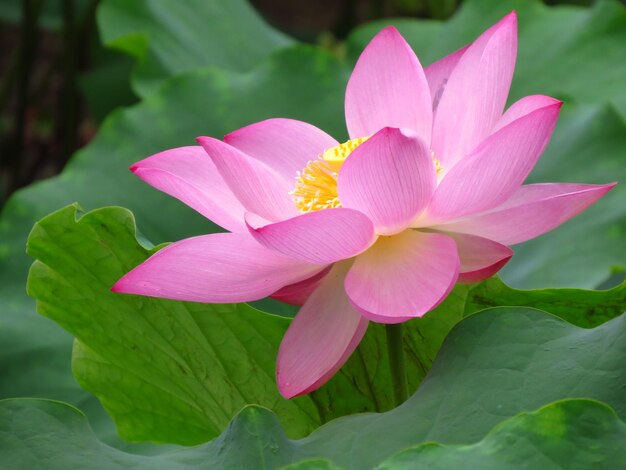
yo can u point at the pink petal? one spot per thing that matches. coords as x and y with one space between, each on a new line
438 74
298 293
285 145
390 178
480 258
320 237
217 268
259 188
495 170
187 174
320 339
476 93
388 88
522 107
403 276
533 210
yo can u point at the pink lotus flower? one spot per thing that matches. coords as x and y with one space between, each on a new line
427 193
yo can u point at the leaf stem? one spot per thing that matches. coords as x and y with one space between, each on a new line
396 363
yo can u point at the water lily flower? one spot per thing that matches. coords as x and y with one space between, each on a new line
426 193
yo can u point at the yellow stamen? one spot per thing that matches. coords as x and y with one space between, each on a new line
337 155
438 167
316 185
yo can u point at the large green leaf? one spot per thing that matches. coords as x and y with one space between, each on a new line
194 366
169 36
584 308
578 55
493 366
572 434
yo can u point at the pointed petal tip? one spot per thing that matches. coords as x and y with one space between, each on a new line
554 106
124 285
549 98
232 135
285 395
485 273
289 391
605 188
388 30
510 18
507 21
134 167
286 390
118 287
551 101
549 109
392 34
204 140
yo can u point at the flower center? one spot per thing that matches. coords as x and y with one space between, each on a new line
316 185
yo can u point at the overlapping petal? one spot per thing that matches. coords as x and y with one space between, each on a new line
390 178
495 170
319 237
258 187
188 174
480 258
217 268
388 88
476 93
321 337
524 106
438 74
285 145
533 210
403 276
299 292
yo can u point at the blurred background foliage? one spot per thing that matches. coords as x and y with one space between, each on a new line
58 82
